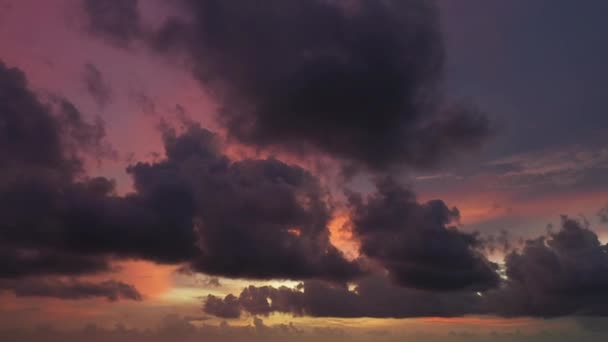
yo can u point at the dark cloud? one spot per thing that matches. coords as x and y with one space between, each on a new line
19 262
228 307
115 21
373 296
565 273
42 142
359 81
96 85
36 137
562 274
418 243
54 219
71 290
254 218
249 218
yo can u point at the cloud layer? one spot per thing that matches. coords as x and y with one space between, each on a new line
71 290
254 218
557 275
360 82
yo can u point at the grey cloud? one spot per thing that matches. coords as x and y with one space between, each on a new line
228 307
372 296
196 207
254 218
71 289
360 83
561 274
418 243
564 273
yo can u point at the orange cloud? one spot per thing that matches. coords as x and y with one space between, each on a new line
341 235
150 279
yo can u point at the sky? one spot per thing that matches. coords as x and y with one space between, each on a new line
376 170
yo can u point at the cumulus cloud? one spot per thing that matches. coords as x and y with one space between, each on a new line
564 273
255 218
360 82
51 215
418 243
250 218
227 307
561 274
372 296
41 138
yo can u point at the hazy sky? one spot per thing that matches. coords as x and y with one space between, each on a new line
303 169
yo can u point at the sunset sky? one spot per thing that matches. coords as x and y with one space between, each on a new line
373 170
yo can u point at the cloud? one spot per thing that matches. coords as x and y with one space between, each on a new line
372 296
17 261
96 85
360 83
71 290
562 274
250 218
245 212
256 218
565 273
418 243
53 218
228 307
196 207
